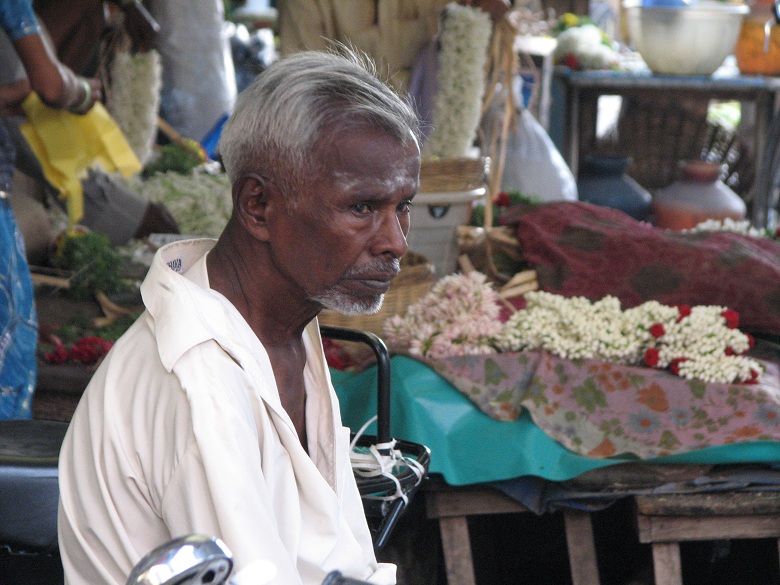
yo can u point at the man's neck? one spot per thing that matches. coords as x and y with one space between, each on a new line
243 273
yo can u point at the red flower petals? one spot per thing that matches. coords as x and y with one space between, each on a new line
59 355
502 199
674 365
684 311
570 60
85 350
657 330
731 317
651 357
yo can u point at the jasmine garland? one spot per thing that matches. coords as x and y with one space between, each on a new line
460 316
464 40
700 342
200 201
135 99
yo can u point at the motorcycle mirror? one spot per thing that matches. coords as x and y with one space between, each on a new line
193 559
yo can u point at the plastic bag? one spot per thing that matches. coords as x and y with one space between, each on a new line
198 74
67 145
533 166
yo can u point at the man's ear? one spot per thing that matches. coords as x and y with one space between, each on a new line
250 199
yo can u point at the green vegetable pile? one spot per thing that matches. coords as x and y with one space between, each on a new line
172 157
94 263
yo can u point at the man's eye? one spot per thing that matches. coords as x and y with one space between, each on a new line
405 206
361 208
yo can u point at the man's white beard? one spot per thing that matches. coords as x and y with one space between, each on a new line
347 305
335 299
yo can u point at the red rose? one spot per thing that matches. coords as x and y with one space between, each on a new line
651 357
570 60
502 199
731 317
684 311
751 341
88 350
59 355
674 365
753 377
657 330
729 351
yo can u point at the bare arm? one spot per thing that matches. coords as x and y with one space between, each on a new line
11 97
56 85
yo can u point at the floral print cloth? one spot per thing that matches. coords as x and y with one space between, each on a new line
599 409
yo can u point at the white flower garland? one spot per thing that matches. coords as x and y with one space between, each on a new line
730 225
700 342
586 44
464 41
201 202
135 99
460 316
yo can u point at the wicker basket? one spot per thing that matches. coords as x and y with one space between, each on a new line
452 174
412 283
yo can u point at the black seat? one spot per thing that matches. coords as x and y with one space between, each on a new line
29 450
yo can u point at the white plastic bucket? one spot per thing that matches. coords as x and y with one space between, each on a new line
434 221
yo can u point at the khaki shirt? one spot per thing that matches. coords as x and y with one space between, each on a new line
392 32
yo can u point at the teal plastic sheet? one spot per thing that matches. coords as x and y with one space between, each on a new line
467 446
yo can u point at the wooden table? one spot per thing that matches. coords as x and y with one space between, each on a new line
452 506
580 91
666 520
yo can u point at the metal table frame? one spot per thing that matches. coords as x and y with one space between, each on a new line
581 90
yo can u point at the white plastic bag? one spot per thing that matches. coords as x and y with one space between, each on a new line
533 164
198 75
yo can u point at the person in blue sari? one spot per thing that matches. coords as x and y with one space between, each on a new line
58 87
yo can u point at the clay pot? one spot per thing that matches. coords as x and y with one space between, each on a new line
602 180
698 195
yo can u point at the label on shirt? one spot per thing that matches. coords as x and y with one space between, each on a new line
175 264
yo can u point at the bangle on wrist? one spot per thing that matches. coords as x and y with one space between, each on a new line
83 107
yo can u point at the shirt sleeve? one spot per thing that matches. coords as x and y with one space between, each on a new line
18 19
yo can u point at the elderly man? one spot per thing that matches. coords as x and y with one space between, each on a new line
215 413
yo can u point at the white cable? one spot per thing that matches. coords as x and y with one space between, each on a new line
375 464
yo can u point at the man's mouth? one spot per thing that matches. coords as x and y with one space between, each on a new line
374 278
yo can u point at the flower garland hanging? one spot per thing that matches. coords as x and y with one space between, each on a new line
460 316
135 98
464 38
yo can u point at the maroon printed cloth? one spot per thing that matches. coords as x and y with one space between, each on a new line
580 249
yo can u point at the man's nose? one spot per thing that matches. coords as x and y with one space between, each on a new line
391 238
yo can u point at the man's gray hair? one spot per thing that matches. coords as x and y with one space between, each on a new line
281 119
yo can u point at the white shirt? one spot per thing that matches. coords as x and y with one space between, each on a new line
181 431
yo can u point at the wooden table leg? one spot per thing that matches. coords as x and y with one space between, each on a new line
582 550
666 563
456 547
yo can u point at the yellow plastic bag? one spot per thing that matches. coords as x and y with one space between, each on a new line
68 145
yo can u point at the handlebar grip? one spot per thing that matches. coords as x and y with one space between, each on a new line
336 578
